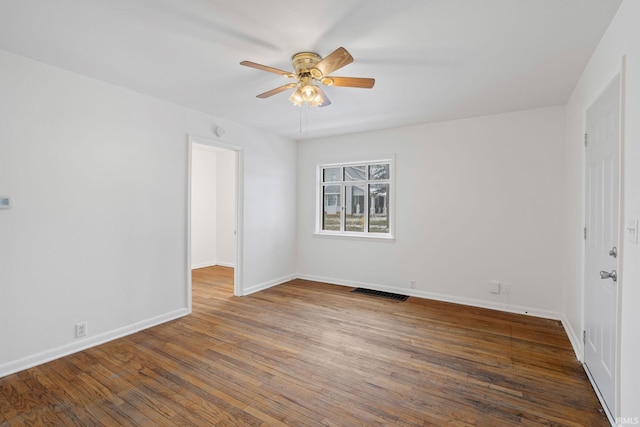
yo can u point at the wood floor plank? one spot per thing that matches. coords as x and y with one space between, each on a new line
309 354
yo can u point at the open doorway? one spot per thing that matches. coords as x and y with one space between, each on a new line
214 209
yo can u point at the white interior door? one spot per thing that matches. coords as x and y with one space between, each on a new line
602 193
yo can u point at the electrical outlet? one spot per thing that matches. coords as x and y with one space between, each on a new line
494 287
413 284
81 329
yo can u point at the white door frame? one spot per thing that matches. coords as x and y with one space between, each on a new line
622 87
238 288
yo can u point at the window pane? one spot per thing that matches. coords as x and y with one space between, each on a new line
354 208
330 174
354 198
331 207
355 173
379 171
378 208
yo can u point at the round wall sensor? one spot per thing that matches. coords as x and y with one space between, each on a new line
219 131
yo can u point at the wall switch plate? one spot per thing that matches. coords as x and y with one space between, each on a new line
632 231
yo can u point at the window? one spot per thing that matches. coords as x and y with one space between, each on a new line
354 199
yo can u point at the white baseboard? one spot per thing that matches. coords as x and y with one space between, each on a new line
575 338
76 346
213 264
88 342
226 264
440 297
203 264
269 284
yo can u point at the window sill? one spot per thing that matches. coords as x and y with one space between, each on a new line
356 236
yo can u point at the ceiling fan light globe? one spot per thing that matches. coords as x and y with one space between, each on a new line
296 97
309 92
318 100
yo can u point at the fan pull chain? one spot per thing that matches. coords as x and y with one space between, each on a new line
304 107
306 117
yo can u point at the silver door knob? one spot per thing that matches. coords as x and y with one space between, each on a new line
614 252
606 275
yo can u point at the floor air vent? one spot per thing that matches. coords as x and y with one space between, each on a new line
381 294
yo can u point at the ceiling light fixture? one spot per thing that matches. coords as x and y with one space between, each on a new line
318 100
310 66
307 92
296 97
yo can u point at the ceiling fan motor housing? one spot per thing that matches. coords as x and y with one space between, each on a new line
304 63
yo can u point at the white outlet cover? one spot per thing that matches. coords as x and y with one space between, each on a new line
494 286
81 330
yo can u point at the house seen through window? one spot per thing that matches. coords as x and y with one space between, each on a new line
355 198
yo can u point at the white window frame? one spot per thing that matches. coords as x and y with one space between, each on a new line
365 234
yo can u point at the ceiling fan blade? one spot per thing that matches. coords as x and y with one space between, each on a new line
325 99
361 82
269 69
332 62
277 90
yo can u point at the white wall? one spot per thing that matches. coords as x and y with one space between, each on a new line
476 200
622 37
204 207
226 208
98 230
213 206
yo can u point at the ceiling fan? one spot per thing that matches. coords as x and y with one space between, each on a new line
309 68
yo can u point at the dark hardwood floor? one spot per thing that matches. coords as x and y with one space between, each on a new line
311 354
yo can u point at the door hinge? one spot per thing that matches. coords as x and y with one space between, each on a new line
586 139
584 337
584 230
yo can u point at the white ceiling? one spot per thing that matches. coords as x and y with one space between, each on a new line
432 60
